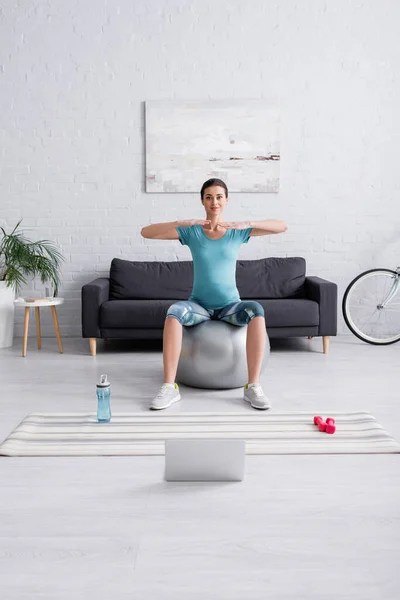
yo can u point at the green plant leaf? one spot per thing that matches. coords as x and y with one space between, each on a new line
21 257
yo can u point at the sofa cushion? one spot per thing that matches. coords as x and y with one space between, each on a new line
290 312
262 278
271 278
127 314
142 280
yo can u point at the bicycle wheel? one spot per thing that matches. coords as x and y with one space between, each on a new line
363 311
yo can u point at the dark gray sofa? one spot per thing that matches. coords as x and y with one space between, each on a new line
133 301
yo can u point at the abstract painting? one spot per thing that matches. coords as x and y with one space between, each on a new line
190 142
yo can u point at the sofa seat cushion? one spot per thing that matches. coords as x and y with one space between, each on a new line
288 312
121 314
150 314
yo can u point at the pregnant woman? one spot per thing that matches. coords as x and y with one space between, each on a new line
214 245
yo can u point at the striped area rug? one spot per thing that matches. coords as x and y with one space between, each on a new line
130 434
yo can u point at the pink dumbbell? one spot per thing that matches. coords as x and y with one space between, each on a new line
328 426
320 423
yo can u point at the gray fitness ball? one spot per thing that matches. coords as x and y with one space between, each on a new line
214 356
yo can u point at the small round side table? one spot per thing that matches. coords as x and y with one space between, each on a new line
38 304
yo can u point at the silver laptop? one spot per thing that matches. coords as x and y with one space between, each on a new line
204 460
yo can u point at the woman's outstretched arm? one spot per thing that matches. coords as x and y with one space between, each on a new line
158 230
167 231
266 227
269 226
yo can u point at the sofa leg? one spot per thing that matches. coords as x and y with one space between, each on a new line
325 343
92 342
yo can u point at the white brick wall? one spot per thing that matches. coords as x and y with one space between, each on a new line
74 79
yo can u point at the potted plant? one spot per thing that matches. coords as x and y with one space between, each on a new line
21 258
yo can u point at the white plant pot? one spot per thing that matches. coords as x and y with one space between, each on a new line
7 296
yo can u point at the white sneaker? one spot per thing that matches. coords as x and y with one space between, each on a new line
168 394
254 394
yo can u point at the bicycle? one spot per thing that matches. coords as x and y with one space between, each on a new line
371 306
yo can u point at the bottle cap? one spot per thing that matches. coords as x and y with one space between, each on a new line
103 381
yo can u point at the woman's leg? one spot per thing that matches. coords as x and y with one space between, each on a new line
184 313
255 345
172 344
250 313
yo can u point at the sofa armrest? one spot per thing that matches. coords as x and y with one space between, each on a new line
93 295
325 293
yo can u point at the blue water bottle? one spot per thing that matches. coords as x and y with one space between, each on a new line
103 400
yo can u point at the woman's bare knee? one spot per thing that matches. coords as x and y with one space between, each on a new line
172 322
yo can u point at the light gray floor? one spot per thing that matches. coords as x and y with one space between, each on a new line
298 527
